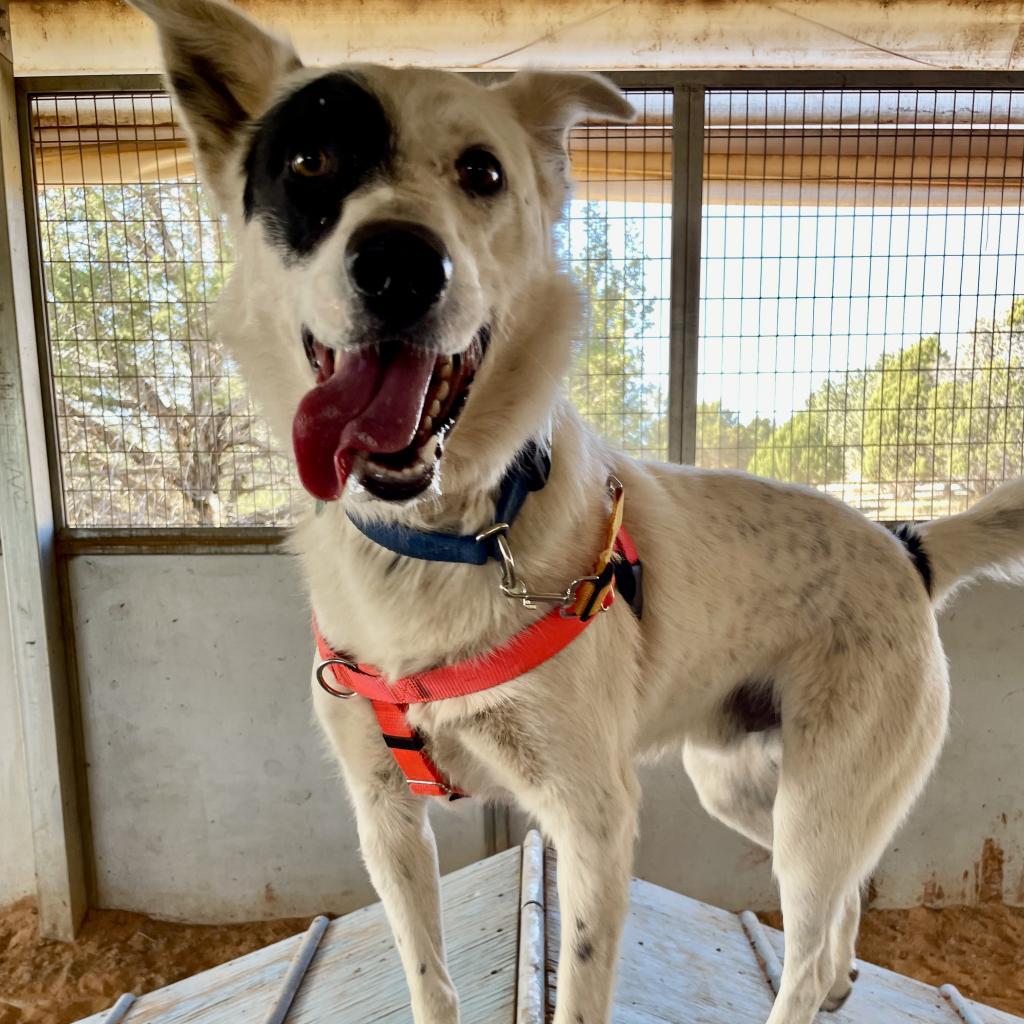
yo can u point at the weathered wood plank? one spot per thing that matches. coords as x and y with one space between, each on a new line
684 962
681 962
361 980
356 977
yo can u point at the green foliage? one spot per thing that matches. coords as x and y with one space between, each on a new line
901 414
725 442
809 447
155 425
982 411
914 426
607 383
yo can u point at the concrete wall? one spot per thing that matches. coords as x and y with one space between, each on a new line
60 36
212 797
963 843
17 873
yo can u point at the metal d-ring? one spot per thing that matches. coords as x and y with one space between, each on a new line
340 694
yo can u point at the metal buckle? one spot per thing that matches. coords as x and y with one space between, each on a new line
445 790
340 694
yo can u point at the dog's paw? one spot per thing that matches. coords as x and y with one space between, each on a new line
841 991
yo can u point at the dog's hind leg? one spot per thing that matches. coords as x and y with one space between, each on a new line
812 903
844 942
855 754
736 781
398 847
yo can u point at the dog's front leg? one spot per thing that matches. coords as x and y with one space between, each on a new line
593 830
398 846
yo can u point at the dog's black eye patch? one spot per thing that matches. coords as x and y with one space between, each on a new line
332 126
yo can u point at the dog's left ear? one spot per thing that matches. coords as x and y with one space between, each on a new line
222 69
550 103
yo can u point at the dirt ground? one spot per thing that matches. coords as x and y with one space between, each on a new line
116 952
979 949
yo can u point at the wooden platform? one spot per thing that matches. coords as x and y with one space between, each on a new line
683 962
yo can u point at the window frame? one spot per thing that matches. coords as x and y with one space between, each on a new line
689 88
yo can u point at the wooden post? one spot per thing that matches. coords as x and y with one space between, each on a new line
27 535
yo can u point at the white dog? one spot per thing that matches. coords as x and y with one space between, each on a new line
398 307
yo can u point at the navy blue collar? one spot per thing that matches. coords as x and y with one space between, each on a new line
529 472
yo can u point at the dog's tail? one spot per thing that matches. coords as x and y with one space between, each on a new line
985 541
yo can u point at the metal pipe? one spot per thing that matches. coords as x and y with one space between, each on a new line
684 300
532 968
297 971
962 1007
119 1010
709 78
763 949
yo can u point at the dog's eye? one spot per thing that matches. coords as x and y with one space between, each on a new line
480 173
314 163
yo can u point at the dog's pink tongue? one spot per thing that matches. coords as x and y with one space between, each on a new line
364 406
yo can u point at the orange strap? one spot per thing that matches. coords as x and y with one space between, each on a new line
521 654
407 748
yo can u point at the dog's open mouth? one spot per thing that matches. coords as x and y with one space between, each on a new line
380 413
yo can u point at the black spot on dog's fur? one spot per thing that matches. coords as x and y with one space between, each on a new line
584 951
753 706
334 115
911 540
423 968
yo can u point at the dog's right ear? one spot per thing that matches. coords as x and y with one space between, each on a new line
221 68
549 104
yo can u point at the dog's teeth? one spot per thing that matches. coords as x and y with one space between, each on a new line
435 409
427 422
443 390
446 369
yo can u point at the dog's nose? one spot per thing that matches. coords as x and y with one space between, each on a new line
400 269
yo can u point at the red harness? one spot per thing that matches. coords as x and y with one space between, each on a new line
526 650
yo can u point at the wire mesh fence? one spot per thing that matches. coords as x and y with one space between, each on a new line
862 316
616 239
154 424
862 310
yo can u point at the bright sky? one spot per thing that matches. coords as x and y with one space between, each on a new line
792 294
